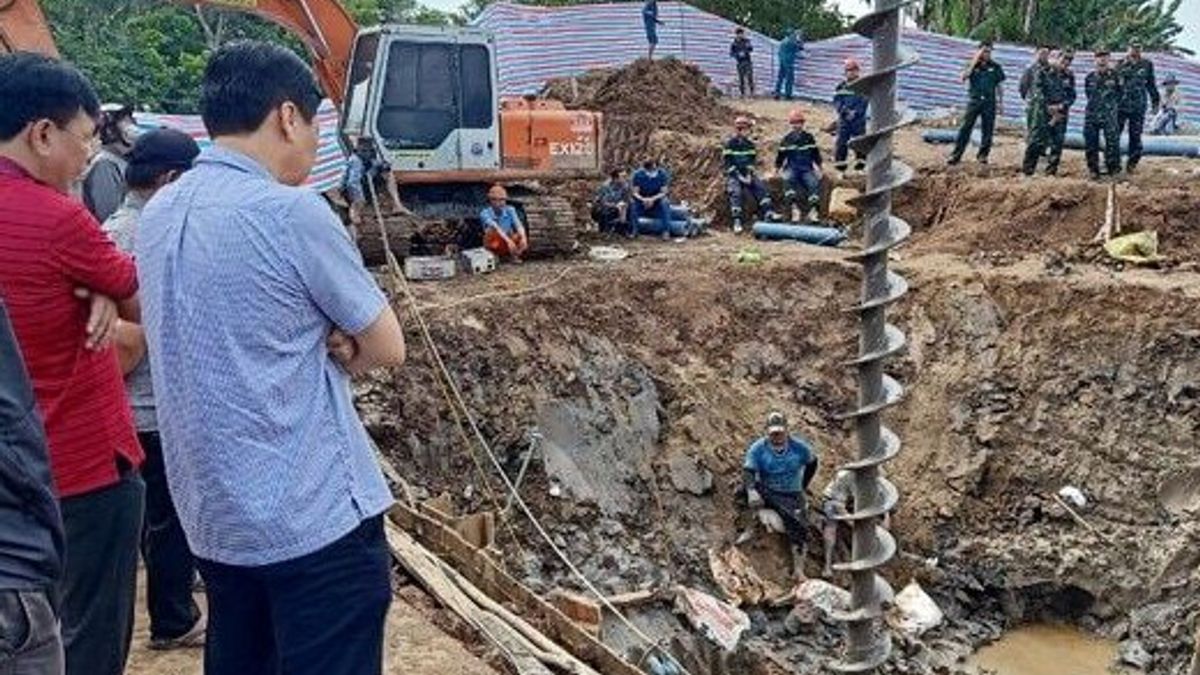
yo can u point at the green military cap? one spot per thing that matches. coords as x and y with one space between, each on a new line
1102 51
986 43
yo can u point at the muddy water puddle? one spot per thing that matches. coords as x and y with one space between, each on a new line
1048 649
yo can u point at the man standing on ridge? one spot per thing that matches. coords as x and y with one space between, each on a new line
1137 84
650 22
789 51
985 99
1103 89
740 51
851 121
1052 93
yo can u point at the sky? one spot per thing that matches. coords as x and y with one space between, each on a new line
1189 16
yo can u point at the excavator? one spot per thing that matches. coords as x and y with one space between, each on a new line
428 99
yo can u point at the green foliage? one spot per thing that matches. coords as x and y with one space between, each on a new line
1083 24
771 17
152 53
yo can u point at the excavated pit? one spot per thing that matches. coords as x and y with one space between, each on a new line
1034 363
646 379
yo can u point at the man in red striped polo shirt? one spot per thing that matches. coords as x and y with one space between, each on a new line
65 284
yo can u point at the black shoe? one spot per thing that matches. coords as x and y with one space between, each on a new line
953 161
860 165
1051 172
982 159
1095 175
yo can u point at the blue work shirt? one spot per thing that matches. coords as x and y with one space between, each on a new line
506 221
242 280
650 183
789 50
779 471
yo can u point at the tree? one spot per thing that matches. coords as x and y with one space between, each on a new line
775 18
1083 24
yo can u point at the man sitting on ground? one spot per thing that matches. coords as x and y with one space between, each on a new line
611 207
650 197
503 233
799 164
775 473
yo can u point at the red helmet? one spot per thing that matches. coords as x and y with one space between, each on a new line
742 122
796 116
852 64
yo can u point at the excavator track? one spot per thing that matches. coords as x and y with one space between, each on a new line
551 224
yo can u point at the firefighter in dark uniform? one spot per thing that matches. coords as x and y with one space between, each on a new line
1103 89
1137 84
985 98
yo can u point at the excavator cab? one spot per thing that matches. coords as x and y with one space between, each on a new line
428 97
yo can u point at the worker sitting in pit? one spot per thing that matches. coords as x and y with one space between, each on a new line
799 164
837 500
650 199
503 232
610 209
741 174
776 472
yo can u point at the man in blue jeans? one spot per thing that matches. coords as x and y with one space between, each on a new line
257 311
31 531
650 197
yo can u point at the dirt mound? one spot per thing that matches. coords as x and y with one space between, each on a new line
662 94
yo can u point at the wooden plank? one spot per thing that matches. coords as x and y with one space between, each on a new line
484 573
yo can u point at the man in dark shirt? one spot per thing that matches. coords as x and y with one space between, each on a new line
798 161
1054 91
740 51
31 534
740 157
1103 89
1137 84
985 99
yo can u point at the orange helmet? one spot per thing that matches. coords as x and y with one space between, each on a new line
742 122
852 64
497 192
796 116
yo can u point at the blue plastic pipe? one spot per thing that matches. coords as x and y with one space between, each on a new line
653 226
809 234
1159 146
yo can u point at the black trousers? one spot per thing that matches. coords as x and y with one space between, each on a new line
320 614
1133 121
984 111
1093 126
170 568
100 580
792 507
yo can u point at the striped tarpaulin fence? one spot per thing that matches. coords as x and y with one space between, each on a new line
326 174
537 44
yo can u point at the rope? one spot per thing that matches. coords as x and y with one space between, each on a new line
449 383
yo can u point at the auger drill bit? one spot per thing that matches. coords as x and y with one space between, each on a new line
868 641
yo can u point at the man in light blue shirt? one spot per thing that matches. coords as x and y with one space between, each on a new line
257 308
775 473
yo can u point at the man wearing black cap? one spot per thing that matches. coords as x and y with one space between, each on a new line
1137 83
1103 88
775 473
157 158
984 99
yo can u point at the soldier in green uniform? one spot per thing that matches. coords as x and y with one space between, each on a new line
1049 99
1061 118
1137 82
1103 89
1059 95
985 99
1025 88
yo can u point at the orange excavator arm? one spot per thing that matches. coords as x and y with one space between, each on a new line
324 26
23 27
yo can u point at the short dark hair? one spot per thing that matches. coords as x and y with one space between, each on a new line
157 153
615 173
35 87
247 79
